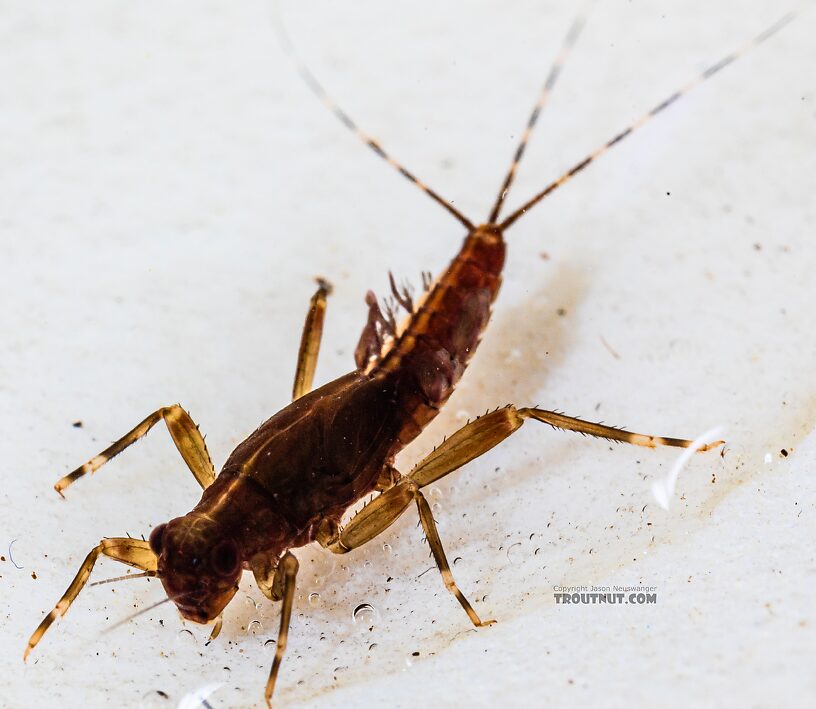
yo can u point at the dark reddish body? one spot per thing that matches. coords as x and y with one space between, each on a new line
326 450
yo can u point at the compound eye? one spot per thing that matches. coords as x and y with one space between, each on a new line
224 558
156 539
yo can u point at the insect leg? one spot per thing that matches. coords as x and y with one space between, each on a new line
185 434
133 552
266 570
389 476
287 575
216 631
429 525
380 514
479 436
369 522
310 340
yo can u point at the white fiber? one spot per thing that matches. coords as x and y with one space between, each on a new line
663 490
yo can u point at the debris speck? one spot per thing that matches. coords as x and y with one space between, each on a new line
610 348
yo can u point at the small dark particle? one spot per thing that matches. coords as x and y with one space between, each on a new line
415 653
2 558
544 256
784 453
757 247
713 478
668 194
78 424
34 575
561 312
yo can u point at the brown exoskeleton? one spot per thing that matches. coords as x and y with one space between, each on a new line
290 482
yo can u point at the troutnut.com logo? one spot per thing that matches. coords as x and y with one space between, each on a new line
605 595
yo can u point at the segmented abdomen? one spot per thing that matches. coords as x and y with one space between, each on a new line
430 355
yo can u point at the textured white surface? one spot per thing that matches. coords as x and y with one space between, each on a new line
169 188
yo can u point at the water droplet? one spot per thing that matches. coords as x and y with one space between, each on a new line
364 614
185 637
435 493
270 642
314 599
387 549
537 551
436 508
372 646
153 699
255 627
457 560
514 555
250 601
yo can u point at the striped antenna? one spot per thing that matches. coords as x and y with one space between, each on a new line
318 90
126 577
142 611
555 71
640 122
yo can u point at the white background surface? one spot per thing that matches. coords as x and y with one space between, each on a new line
169 188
